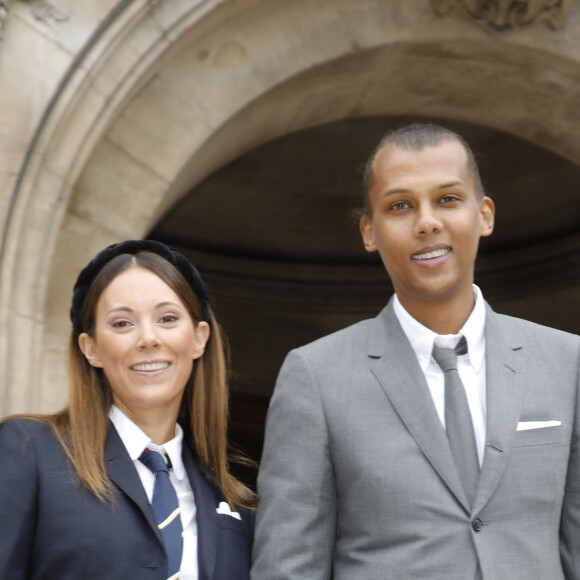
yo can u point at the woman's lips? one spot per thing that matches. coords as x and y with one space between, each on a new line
149 366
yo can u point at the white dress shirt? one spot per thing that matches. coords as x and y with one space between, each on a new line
471 366
135 442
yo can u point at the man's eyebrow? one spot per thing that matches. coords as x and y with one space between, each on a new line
395 191
404 190
452 184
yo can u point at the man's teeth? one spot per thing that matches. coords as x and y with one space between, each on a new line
433 254
150 366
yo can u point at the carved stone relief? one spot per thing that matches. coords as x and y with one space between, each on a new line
507 14
42 10
45 12
4 6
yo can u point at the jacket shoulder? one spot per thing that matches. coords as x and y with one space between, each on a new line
30 441
529 328
24 428
343 337
520 332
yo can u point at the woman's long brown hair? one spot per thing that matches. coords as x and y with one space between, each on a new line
82 426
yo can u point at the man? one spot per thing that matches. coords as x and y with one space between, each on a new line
377 464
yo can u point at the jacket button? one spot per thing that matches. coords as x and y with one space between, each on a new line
477 524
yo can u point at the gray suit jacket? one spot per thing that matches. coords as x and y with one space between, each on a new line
358 482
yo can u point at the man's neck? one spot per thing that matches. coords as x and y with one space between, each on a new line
445 316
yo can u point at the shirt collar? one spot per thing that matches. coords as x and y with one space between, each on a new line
135 440
422 338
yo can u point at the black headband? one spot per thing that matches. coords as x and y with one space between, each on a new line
92 269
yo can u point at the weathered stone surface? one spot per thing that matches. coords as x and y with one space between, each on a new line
112 111
506 14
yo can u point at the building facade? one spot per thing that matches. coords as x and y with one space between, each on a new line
115 112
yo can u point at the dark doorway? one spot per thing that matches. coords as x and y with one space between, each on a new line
274 236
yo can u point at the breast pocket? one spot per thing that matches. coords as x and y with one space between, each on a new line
536 472
233 554
541 436
230 523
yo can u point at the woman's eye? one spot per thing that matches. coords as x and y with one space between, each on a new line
168 319
120 323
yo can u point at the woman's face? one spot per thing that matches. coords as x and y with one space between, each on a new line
145 341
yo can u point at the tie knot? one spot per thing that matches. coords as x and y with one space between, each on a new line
446 357
155 461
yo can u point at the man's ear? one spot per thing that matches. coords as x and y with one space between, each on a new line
366 230
88 347
487 211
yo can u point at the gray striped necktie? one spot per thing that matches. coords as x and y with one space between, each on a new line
458 422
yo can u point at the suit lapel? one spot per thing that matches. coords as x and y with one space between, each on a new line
123 474
206 503
504 393
402 380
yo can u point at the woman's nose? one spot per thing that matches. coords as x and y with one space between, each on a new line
149 337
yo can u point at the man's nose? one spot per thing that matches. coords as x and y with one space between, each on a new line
428 221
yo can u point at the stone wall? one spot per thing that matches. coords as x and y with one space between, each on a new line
110 111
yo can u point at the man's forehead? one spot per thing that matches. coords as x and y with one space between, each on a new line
448 143
447 155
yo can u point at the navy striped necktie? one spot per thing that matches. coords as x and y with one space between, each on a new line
166 509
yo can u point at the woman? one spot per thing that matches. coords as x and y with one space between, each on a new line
130 481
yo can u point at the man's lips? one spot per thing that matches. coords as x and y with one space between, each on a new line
148 367
431 254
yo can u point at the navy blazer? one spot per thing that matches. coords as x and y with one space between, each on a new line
54 528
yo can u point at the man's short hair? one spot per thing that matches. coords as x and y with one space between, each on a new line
416 137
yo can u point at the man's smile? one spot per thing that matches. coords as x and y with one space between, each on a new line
432 254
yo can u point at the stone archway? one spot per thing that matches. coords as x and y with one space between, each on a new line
166 94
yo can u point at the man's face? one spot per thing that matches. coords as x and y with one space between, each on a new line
426 222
